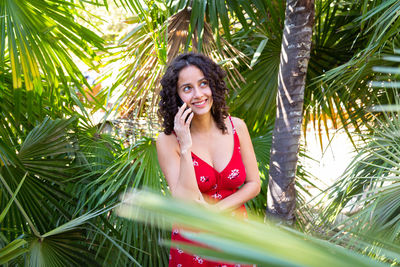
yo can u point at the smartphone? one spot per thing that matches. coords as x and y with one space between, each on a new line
180 103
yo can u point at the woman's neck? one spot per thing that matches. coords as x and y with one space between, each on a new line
202 124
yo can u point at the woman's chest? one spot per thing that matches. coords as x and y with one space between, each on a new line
211 180
216 151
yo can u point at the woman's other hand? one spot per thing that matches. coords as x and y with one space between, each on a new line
203 202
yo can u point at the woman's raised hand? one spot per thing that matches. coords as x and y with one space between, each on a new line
182 127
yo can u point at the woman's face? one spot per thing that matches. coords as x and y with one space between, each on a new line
193 88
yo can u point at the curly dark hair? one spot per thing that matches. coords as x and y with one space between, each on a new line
168 106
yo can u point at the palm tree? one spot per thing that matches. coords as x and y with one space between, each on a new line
295 54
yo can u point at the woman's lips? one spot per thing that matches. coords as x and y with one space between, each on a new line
200 104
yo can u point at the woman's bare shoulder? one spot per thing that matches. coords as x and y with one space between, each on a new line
166 141
239 124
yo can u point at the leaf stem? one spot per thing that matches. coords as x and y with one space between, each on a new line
28 220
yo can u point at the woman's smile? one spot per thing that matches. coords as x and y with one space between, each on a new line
200 104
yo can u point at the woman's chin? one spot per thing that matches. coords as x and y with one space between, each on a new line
201 112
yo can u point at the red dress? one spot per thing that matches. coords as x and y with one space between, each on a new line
217 185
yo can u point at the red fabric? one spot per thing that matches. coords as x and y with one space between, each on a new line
217 185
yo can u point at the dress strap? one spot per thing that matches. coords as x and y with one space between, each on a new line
177 139
233 126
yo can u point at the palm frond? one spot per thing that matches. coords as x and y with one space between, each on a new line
231 239
46 143
12 250
150 49
341 91
367 193
133 167
36 42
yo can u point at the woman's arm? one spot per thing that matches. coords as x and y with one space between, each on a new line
251 187
176 161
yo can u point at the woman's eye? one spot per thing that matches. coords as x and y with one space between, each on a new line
186 88
204 83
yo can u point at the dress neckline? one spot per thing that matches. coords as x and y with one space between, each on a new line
233 152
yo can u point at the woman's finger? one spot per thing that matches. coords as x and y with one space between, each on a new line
185 114
181 110
189 118
178 115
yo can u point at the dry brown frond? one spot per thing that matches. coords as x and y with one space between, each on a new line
146 69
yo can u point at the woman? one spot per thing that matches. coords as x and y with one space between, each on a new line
195 149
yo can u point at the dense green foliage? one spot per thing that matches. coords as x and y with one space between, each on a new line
62 175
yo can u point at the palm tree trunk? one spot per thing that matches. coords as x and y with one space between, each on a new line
295 54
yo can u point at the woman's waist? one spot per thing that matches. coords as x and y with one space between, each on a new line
219 194
239 212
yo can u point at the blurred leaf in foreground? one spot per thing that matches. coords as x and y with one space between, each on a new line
250 241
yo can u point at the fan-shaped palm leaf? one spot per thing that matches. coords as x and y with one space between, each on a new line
369 34
152 46
37 39
369 191
133 167
42 156
41 207
369 188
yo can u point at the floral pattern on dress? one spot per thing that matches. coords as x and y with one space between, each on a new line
217 196
203 179
234 174
198 259
195 163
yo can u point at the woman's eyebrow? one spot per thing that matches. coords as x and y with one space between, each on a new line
185 84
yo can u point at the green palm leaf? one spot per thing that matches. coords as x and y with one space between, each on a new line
154 42
12 250
247 242
136 167
221 12
37 40
344 94
368 190
47 143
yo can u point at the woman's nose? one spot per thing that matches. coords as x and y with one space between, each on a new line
197 91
